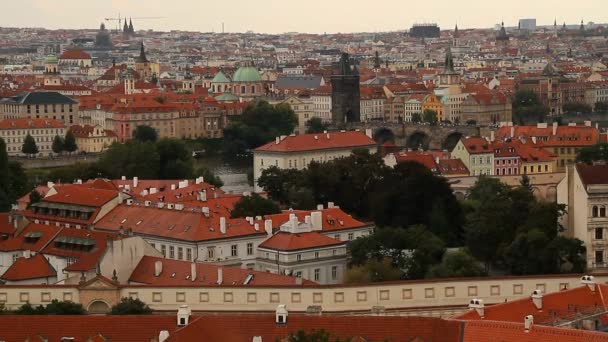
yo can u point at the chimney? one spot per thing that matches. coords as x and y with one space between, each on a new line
268 227
27 254
123 178
307 219
220 275
319 206
203 196
281 314
163 336
173 186
206 211
327 135
316 219
183 315
534 140
50 184
158 268
153 191
589 281
554 128
256 227
587 123
512 131
193 271
477 304
369 133
135 182
277 140
537 299
330 205
528 321
223 225
492 136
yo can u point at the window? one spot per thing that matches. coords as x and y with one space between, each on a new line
337 237
250 248
599 233
210 252
180 253
594 211
351 236
334 272
316 255
189 254
163 250
171 252
602 211
299 257
599 257
233 251
317 274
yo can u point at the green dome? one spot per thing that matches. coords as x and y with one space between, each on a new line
227 97
220 78
247 74
51 59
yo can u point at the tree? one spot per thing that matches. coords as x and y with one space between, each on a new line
457 264
601 107
373 270
29 309
277 182
416 118
35 197
589 154
210 177
58 144
313 336
315 125
175 160
527 108
4 177
144 133
131 306
64 308
69 143
29 145
254 205
576 108
132 159
430 116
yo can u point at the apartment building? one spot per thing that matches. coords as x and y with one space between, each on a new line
40 105
14 132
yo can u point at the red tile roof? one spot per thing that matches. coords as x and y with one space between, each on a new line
321 141
81 195
593 174
34 267
476 145
86 260
25 239
30 123
284 241
177 272
452 167
333 219
423 158
564 135
484 331
5 226
75 54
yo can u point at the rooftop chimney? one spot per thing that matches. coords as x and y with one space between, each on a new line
477 304
589 281
206 211
512 131
183 315
220 275
281 314
369 133
163 336
256 226
492 136
316 220
268 227
319 206
588 123
537 299
123 178
193 271
277 140
135 182
554 128
528 321
158 268
330 205
223 225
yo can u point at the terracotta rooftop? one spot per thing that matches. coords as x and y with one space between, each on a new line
476 145
80 195
320 141
34 267
5 226
75 54
564 135
332 219
30 124
593 174
285 241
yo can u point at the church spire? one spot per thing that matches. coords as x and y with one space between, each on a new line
131 30
449 61
142 55
125 28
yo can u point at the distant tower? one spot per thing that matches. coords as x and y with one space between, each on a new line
131 29
142 64
449 79
345 93
125 28
51 71
502 37
456 35
377 64
555 31
582 28
102 39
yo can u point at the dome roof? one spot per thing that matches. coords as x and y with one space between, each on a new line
51 59
220 78
247 74
227 97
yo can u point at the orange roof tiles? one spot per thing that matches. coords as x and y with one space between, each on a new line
333 219
593 174
483 331
452 167
178 273
564 135
30 123
311 142
81 195
34 267
477 145
33 237
284 241
74 54
423 158
86 259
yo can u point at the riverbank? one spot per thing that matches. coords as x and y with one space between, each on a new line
50 163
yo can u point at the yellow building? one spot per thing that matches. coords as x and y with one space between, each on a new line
535 160
432 102
146 69
93 139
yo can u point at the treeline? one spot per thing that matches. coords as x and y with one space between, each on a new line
13 180
423 230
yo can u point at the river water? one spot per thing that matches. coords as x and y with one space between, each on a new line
233 172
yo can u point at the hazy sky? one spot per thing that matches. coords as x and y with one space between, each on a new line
275 16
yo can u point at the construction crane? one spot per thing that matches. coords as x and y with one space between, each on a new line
120 20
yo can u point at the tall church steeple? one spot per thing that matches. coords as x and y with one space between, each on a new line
142 55
131 29
125 28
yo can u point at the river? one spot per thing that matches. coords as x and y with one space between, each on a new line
233 172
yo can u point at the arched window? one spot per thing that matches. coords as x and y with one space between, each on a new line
594 211
602 211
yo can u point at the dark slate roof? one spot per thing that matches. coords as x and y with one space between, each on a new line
40 97
593 174
298 81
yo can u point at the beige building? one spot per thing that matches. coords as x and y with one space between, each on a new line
297 151
584 191
14 131
93 139
40 105
303 107
476 154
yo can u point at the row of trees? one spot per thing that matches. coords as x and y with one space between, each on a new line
67 144
13 180
418 218
126 306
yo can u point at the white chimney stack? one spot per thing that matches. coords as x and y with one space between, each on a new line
512 131
268 227
589 281
588 123
123 178
163 336
256 227
369 133
537 299
477 304
330 205
492 136
554 128
319 206
223 225
135 182
203 196
277 140
158 268
183 315
281 314
173 186
220 276
528 321
193 271
316 220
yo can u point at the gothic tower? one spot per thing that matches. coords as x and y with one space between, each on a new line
345 92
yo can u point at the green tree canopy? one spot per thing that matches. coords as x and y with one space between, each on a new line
35 197
429 116
456 264
69 143
589 154
577 108
131 306
144 133
315 125
55 307
210 177
254 205
416 118
527 108
29 146
58 144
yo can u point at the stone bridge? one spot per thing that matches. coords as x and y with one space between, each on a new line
410 135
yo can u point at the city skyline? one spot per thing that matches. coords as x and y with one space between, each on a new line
273 16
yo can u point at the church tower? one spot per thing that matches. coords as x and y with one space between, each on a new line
449 79
345 92
51 71
143 65
502 38
456 36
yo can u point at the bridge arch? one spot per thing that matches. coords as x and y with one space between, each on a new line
451 140
383 134
418 139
